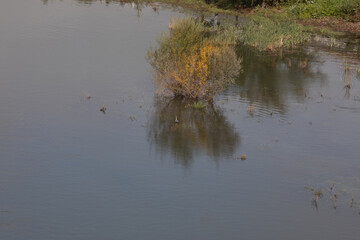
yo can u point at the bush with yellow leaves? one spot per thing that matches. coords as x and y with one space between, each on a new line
193 61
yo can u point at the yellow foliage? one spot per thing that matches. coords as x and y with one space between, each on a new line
191 73
192 61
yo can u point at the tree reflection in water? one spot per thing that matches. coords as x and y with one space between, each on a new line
199 130
137 5
270 79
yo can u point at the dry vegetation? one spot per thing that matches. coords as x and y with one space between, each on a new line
193 60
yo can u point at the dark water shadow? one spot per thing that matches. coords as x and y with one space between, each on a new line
197 131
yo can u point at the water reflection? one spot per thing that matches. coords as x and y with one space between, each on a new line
198 130
269 80
120 2
136 5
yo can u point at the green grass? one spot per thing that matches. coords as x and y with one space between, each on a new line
290 10
275 26
271 33
326 8
325 32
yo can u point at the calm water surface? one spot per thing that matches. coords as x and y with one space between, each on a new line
68 171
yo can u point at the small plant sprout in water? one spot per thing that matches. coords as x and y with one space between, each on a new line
132 118
317 194
347 75
337 198
333 195
103 109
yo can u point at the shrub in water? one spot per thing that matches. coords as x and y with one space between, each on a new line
194 61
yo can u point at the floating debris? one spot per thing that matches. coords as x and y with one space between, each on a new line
132 118
88 96
347 76
241 157
251 109
103 108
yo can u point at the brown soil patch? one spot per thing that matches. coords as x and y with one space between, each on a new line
335 24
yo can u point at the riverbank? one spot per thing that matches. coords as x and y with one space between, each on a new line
334 15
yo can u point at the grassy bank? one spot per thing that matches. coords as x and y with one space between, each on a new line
271 33
345 9
338 15
196 59
301 9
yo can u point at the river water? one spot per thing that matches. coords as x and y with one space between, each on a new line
69 171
